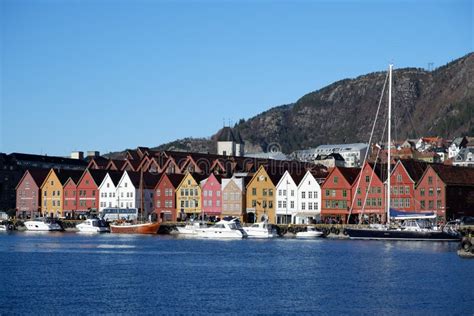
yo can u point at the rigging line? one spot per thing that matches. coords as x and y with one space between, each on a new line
370 141
373 170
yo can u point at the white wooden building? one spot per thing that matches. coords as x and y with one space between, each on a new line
309 200
286 198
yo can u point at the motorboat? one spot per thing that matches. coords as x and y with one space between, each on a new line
310 232
223 229
190 229
261 230
93 225
3 228
43 224
135 228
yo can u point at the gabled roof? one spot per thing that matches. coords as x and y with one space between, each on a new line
64 175
149 180
174 178
228 134
38 175
115 176
98 175
452 175
414 168
350 174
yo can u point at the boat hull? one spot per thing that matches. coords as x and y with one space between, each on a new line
384 234
309 235
147 228
42 227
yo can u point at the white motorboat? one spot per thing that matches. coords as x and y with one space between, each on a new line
190 229
93 225
43 224
224 229
261 230
311 232
3 228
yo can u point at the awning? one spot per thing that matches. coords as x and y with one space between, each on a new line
401 215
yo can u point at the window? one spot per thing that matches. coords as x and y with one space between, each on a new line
292 204
270 204
310 206
218 203
93 192
158 192
270 192
438 191
327 193
310 195
333 193
399 178
407 189
431 204
279 192
344 193
205 193
284 192
303 195
264 192
210 193
359 202
430 180
336 179
430 192
108 186
367 179
254 203
303 206
422 204
422 192
279 204
315 205
284 204
218 193
358 190
292 192
254 191
438 204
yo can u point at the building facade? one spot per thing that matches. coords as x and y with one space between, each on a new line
309 200
211 197
165 196
28 193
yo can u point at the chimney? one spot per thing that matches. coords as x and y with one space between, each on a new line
77 155
93 154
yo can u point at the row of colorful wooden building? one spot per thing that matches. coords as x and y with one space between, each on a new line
283 192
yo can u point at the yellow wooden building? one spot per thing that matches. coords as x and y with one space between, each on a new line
261 195
188 196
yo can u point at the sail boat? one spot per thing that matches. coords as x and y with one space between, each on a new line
414 226
140 227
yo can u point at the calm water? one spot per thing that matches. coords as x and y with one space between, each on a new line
58 273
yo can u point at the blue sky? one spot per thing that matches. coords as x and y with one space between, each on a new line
108 75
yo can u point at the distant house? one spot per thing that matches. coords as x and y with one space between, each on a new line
330 161
353 154
456 146
465 157
28 194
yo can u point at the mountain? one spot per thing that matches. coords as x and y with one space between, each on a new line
425 103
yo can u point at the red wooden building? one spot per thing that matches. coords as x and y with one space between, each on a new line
87 191
368 193
404 178
447 190
28 193
337 193
165 196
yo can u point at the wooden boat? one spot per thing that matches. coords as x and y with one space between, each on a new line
128 228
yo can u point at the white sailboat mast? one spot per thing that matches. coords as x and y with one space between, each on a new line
389 158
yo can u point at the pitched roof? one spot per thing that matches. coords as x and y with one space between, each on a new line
228 134
64 175
414 168
149 180
98 175
38 175
452 175
115 176
350 174
47 159
175 179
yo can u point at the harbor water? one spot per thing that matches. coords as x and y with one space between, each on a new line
68 273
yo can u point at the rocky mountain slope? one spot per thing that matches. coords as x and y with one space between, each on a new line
425 103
